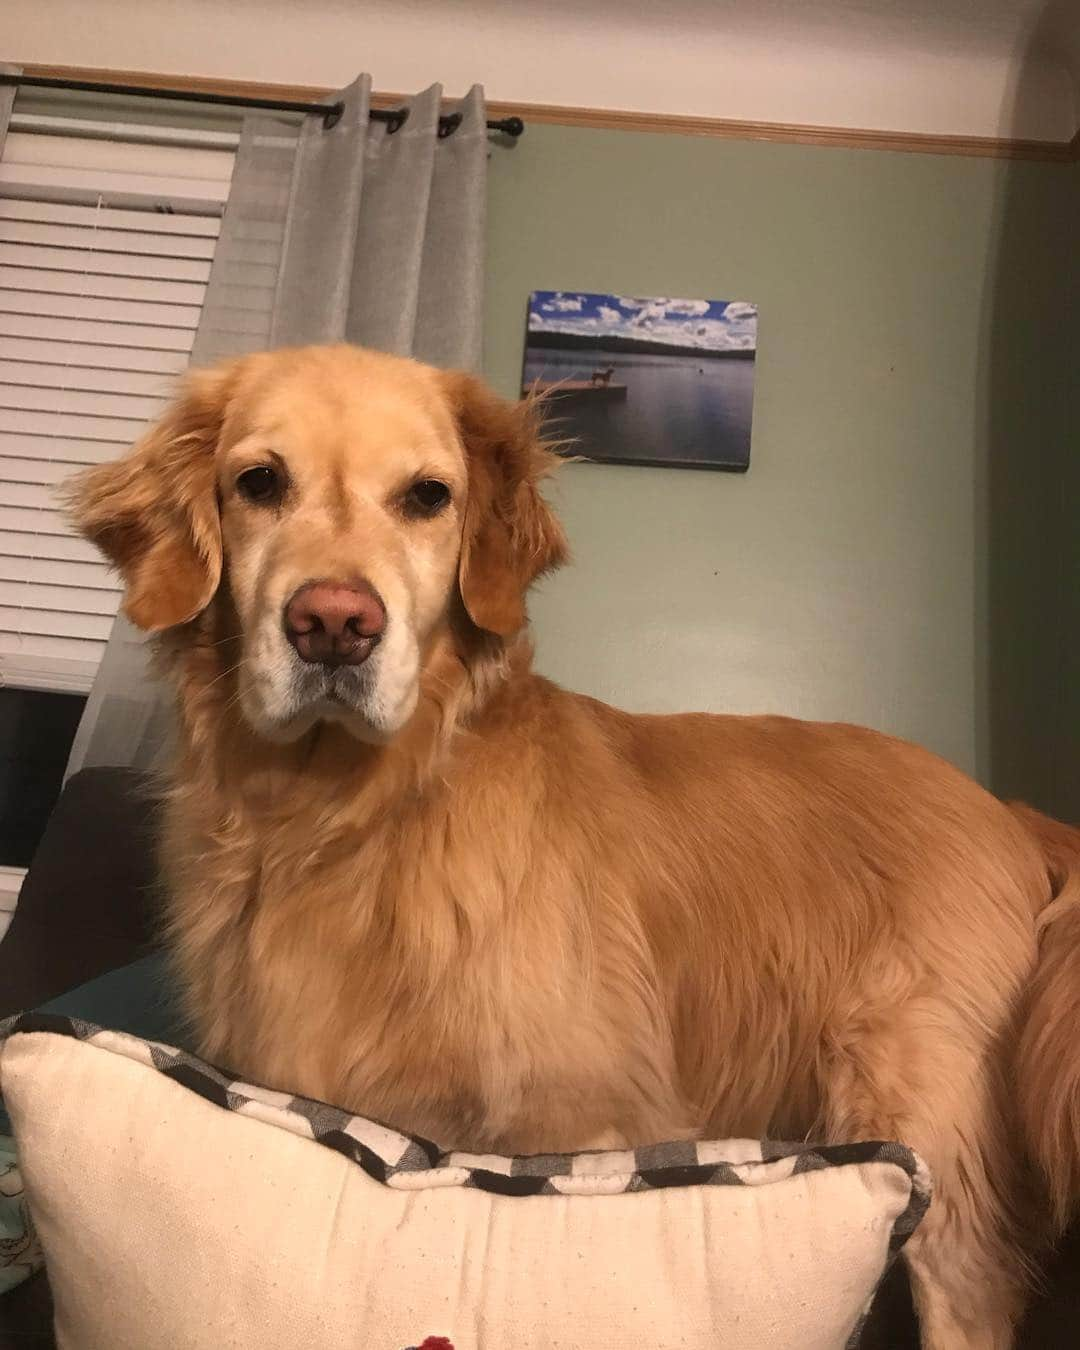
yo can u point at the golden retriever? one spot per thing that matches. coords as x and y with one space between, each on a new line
411 877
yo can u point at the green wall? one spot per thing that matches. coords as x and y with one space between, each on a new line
1027 492
846 576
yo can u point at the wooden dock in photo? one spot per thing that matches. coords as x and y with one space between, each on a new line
578 389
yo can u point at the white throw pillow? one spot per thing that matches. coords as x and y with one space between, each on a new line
178 1209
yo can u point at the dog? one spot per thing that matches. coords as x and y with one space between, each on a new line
409 876
601 377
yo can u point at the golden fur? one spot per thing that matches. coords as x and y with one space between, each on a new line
512 918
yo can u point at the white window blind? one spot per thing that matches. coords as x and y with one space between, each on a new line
106 241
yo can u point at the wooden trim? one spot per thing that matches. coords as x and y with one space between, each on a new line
790 133
196 84
675 124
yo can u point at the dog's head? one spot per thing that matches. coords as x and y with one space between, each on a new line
343 507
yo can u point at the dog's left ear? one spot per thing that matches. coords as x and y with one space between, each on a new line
511 535
154 513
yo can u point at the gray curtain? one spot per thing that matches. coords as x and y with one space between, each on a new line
351 233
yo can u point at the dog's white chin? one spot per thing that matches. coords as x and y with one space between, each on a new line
279 708
359 724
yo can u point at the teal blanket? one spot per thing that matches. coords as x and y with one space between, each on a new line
20 1254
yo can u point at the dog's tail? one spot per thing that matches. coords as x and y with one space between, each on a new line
1048 1067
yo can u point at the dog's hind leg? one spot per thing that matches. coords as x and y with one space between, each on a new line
914 1073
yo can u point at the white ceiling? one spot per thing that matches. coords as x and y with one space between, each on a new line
961 67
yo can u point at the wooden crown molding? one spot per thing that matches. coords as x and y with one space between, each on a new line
677 124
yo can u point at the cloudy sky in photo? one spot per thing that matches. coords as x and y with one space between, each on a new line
711 325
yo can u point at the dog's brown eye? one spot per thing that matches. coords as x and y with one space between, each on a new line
427 497
261 485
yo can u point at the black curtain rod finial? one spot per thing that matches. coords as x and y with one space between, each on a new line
508 126
331 113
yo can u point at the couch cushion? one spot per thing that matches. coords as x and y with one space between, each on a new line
87 904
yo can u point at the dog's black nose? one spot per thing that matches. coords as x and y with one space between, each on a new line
335 623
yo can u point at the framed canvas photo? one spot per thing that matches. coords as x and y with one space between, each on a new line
645 381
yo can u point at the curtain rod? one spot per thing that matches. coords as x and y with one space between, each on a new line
330 112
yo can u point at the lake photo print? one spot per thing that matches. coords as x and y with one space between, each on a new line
645 381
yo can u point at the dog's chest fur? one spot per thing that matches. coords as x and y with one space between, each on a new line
436 965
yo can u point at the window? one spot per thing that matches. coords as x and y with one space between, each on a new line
107 233
105 248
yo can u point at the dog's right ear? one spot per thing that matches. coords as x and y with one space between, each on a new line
154 513
511 535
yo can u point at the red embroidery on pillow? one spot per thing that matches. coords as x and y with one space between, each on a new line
433 1343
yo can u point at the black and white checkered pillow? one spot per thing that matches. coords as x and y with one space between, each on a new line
408 1162
870 1199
